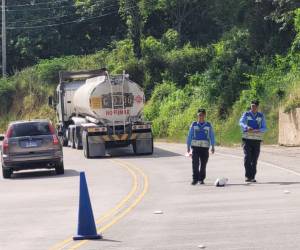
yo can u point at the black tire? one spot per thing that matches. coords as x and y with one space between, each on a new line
60 169
152 149
86 149
134 149
6 172
76 141
73 141
63 141
134 146
151 152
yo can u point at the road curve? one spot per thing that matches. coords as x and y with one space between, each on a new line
146 202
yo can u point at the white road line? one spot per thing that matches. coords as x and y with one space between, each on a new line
260 162
263 162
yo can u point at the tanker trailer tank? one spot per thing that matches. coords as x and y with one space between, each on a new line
112 108
111 101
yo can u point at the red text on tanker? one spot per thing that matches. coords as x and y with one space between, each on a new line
117 112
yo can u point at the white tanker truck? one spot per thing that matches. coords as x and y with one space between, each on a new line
97 111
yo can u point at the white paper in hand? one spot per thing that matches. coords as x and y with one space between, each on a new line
187 154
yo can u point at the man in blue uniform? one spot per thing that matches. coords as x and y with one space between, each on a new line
200 138
253 125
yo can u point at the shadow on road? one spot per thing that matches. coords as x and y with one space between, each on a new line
280 182
265 183
128 153
43 174
237 184
108 240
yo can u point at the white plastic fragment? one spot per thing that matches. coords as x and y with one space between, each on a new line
201 246
158 212
286 191
221 182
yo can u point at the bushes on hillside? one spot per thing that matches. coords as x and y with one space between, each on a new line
7 91
228 70
172 110
296 44
182 63
159 94
163 60
178 79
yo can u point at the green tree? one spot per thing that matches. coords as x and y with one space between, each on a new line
180 11
270 24
48 28
130 10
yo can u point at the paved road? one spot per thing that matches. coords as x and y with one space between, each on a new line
38 210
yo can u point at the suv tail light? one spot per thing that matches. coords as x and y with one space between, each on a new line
51 128
9 132
55 139
5 145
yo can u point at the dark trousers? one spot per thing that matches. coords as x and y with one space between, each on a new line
199 155
251 152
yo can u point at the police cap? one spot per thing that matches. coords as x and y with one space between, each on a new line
255 102
201 111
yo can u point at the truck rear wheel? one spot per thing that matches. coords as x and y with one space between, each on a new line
86 149
134 147
62 136
73 145
63 141
76 142
151 152
137 152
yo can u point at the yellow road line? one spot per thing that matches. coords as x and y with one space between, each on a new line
126 211
126 198
62 244
138 199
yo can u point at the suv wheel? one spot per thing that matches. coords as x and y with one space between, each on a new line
7 172
59 169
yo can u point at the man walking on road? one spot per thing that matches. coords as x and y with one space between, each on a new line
200 138
253 126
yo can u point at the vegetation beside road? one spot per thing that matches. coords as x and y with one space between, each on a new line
251 50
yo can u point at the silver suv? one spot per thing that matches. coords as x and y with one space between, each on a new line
31 145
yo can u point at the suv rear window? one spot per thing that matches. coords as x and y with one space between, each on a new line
30 129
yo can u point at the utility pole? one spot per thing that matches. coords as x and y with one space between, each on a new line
3 35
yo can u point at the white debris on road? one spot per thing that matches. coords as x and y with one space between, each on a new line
158 212
221 182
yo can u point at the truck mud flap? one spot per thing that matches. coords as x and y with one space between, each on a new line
93 146
143 144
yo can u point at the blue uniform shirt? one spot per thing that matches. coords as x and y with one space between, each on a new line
255 121
198 131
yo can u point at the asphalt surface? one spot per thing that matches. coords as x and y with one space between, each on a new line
147 202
